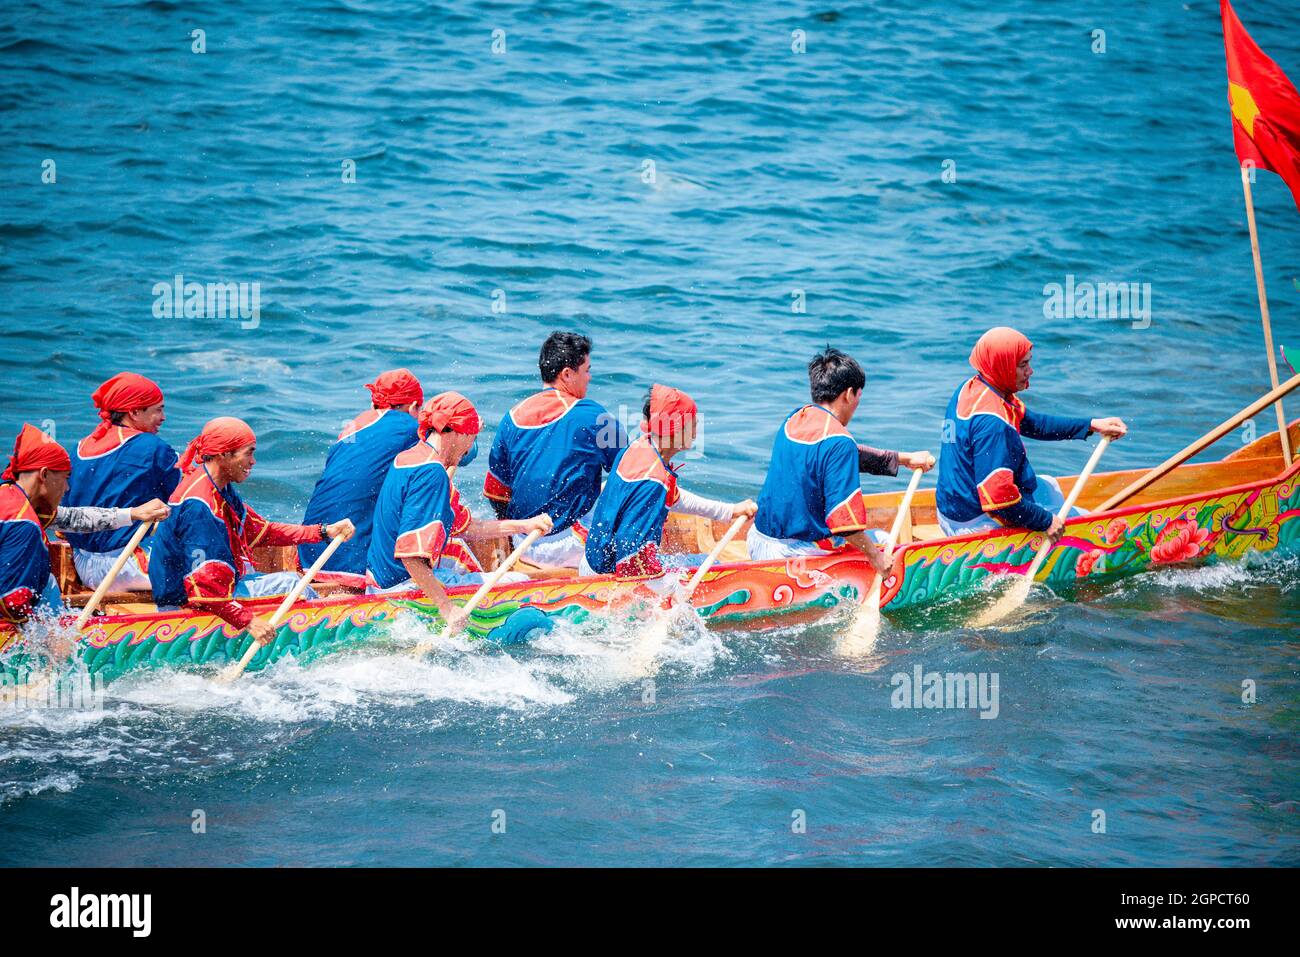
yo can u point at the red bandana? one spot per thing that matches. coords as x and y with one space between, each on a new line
672 413
125 392
220 435
35 450
395 387
997 354
449 409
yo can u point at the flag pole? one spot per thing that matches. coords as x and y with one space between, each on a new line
1263 312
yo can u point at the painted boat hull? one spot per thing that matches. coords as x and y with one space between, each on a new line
1220 524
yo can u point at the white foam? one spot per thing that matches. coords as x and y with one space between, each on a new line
62 782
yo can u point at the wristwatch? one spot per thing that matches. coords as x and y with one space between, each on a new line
323 534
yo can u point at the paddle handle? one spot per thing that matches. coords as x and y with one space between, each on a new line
299 587
1206 440
1070 499
904 507
732 531
495 576
117 566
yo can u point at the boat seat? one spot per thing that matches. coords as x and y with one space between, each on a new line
926 533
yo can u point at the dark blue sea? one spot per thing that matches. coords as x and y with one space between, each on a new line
713 197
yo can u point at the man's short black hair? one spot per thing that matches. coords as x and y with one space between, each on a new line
560 351
831 372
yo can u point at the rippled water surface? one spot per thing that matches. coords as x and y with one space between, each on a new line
522 180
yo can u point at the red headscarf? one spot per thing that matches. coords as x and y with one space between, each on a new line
220 435
395 387
125 392
449 409
996 355
672 412
36 450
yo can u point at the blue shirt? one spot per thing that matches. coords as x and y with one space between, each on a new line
121 469
549 454
812 490
985 468
24 556
349 486
631 511
415 516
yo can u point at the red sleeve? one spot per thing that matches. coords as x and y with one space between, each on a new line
211 587
258 531
460 514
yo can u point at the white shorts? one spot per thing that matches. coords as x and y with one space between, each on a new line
92 568
765 548
563 549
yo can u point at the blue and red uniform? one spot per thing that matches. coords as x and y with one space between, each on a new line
24 556
416 515
984 470
205 547
812 490
119 468
349 486
628 522
548 457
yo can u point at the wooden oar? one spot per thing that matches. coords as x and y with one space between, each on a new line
132 544
1015 596
113 571
488 583
1206 440
865 627
712 557
233 672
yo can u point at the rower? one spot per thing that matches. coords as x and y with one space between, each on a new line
30 492
418 509
985 479
551 450
354 471
203 557
122 463
812 497
627 524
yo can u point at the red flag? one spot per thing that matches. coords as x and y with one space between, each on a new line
1265 106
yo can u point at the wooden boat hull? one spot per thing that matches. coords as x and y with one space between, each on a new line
1219 524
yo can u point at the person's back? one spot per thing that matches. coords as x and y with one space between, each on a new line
552 449
119 470
814 460
349 485
355 467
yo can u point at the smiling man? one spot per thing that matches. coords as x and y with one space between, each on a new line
121 464
985 479
551 451
203 556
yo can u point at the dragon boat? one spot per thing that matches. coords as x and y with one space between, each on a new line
1202 512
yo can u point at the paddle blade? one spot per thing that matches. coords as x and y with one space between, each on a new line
1007 603
860 638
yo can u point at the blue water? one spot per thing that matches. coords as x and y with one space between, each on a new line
525 172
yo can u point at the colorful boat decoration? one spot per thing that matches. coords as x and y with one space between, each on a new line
1214 519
